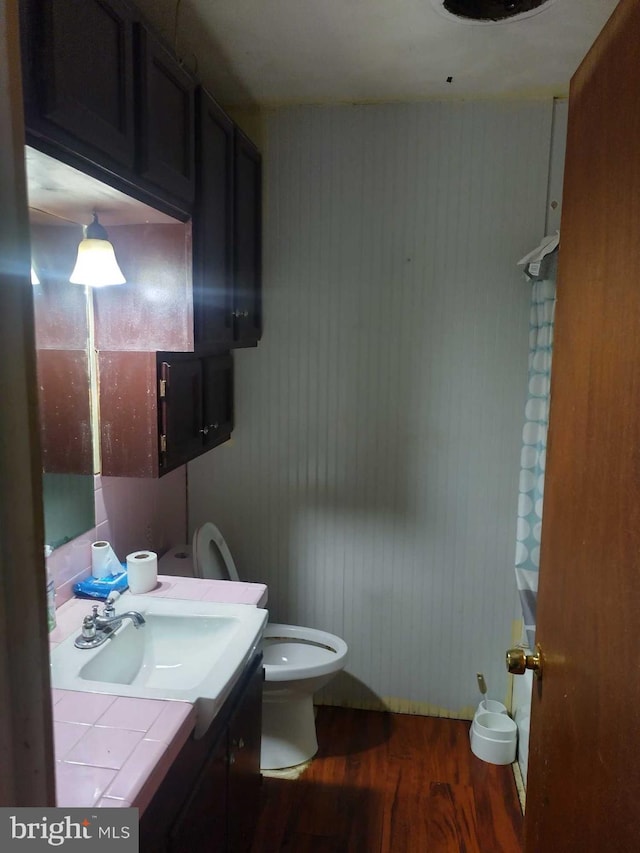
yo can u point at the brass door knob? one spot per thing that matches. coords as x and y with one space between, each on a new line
518 661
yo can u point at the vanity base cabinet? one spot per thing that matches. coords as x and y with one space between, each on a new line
209 800
244 779
202 822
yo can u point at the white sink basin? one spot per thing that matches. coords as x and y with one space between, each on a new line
189 650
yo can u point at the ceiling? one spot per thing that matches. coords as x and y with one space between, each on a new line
272 52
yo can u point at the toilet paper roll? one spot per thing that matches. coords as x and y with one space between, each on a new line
142 571
104 562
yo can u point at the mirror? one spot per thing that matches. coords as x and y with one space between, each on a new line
61 200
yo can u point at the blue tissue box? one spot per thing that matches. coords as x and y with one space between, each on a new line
101 588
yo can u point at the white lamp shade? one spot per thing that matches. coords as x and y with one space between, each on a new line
96 265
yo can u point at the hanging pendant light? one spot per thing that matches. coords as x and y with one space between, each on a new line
96 265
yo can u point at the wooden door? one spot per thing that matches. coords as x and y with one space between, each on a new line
584 768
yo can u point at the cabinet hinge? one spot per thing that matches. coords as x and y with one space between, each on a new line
163 388
163 444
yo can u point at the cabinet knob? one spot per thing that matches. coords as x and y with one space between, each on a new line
214 426
204 430
239 315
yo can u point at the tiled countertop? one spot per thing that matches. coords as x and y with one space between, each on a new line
112 750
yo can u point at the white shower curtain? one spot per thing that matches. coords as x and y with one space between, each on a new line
534 448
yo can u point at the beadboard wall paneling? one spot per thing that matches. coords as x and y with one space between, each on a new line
371 480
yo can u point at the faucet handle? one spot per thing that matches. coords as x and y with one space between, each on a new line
109 605
89 626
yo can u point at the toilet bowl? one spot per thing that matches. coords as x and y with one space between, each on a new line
298 661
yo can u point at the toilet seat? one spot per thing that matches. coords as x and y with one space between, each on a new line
212 558
303 652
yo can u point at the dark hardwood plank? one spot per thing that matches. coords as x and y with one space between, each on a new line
391 783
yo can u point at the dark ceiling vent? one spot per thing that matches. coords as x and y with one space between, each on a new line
490 10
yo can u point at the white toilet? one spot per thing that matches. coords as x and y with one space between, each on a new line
297 661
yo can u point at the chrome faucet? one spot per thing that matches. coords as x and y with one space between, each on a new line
108 620
98 627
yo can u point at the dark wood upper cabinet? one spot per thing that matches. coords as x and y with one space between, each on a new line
181 411
217 399
78 76
213 220
195 405
160 410
247 260
227 232
167 117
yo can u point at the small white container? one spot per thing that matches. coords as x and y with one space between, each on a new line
494 738
490 706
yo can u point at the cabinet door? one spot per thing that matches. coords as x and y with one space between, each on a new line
213 231
217 403
247 309
245 727
167 129
181 411
128 414
78 75
201 824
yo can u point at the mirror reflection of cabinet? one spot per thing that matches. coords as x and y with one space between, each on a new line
102 93
152 311
60 314
63 373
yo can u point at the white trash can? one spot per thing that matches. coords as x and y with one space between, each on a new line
494 738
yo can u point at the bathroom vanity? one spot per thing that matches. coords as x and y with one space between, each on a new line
191 766
209 799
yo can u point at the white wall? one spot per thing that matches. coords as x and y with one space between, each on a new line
372 476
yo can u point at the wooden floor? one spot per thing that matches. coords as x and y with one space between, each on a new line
391 783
